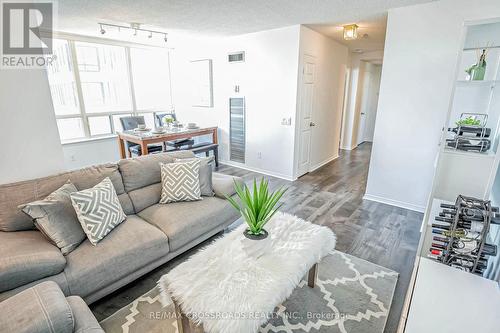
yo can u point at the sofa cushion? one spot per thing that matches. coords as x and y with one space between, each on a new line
224 184
15 194
26 256
127 248
85 321
98 210
184 221
56 218
39 309
145 170
146 196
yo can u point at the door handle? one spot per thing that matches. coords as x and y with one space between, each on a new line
362 113
311 124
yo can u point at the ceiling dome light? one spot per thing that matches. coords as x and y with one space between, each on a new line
350 32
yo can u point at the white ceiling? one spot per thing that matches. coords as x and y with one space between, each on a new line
233 17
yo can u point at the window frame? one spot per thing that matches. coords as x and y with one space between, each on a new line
83 115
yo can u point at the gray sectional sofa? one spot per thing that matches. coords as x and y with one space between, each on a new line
51 312
151 235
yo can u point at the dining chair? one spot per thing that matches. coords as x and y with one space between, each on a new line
177 144
131 123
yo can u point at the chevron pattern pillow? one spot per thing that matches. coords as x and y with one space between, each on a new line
180 181
98 210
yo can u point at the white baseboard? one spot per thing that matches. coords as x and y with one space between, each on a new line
397 203
319 165
265 172
349 148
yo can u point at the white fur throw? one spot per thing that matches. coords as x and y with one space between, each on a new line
228 291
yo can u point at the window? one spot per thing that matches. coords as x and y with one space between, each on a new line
94 84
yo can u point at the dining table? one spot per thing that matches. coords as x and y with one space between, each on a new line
150 136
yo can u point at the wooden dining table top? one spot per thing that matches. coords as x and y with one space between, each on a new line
168 132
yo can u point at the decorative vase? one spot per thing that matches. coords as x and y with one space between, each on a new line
255 245
479 69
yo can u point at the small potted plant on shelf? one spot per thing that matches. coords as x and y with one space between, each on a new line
469 121
256 207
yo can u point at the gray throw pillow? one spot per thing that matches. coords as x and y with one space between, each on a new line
180 181
206 163
98 210
56 218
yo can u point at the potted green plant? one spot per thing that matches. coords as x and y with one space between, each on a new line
256 207
168 120
469 121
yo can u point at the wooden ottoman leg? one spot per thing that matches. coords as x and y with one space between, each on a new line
184 324
311 277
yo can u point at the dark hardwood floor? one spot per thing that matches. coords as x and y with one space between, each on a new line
330 196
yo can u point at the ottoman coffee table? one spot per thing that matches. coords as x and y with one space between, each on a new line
223 289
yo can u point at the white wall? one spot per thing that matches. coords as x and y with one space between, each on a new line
331 64
28 130
82 154
267 80
352 113
421 53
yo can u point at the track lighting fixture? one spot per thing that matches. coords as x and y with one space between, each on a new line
136 27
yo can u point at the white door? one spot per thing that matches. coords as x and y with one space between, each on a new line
372 110
305 113
365 97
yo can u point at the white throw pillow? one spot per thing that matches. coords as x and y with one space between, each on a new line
180 181
98 210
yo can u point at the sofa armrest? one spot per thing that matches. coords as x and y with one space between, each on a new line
27 256
85 322
224 184
39 309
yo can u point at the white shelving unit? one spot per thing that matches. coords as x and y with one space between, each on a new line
458 172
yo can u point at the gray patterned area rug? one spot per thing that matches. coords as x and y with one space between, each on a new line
351 296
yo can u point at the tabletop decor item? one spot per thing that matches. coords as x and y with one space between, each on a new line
256 207
168 120
476 72
158 130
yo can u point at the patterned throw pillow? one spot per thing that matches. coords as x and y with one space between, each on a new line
206 163
180 181
98 210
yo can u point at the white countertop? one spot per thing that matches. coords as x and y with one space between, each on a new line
447 300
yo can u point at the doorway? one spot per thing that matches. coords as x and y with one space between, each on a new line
368 103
